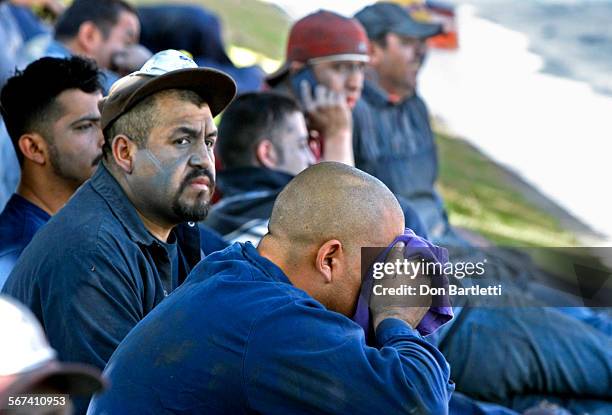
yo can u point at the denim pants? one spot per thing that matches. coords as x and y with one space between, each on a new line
516 356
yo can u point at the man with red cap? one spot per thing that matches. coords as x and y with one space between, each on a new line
324 70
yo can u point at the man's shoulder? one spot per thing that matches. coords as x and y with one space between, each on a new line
19 221
84 228
12 224
244 274
417 102
84 221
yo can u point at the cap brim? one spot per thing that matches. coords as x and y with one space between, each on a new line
216 88
417 29
69 378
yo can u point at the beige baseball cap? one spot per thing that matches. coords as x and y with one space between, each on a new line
168 69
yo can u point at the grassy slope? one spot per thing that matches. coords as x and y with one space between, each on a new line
479 194
251 24
482 197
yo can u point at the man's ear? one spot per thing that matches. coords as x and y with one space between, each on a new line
34 148
375 52
89 37
123 150
329 261
266 154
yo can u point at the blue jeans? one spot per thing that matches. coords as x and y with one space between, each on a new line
507 355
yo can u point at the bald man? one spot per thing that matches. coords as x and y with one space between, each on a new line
267 330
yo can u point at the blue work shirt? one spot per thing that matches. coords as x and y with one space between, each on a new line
394 142
94 271
19 221
238 338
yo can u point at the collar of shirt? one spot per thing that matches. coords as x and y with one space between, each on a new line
119 204
377 96
21 204
267 267
244 179
187 235
57 49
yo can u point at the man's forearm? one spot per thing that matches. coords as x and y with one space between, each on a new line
338 147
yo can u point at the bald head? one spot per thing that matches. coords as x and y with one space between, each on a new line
335 201
319 224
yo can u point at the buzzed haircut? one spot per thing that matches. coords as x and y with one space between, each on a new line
248 120
332 200
103 13
28 99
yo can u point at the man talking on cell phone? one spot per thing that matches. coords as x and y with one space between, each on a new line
324 70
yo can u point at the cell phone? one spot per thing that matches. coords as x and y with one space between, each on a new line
304 74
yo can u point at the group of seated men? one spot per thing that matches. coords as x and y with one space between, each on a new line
113 214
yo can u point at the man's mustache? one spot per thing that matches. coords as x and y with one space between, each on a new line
199 173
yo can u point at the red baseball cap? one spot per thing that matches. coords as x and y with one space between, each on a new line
324 36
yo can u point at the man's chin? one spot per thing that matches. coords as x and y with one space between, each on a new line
195 211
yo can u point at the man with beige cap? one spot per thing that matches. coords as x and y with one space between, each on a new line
127 238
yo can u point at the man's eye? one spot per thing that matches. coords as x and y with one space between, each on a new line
84 127
182 140
210 142
409 42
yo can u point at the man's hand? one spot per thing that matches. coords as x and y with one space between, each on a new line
409 308
328 113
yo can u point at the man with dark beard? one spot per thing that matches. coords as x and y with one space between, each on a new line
51 111
124 241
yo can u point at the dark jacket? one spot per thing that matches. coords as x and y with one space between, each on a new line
239 338
94 271
248 197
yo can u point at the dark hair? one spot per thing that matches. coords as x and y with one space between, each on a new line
381 40
249 119
28 101
103 13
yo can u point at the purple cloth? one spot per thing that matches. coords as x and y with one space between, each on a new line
440 312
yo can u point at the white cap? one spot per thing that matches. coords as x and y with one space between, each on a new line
24 346
27 358
166 61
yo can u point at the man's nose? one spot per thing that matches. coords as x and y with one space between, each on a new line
354 82
422 47
202 157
